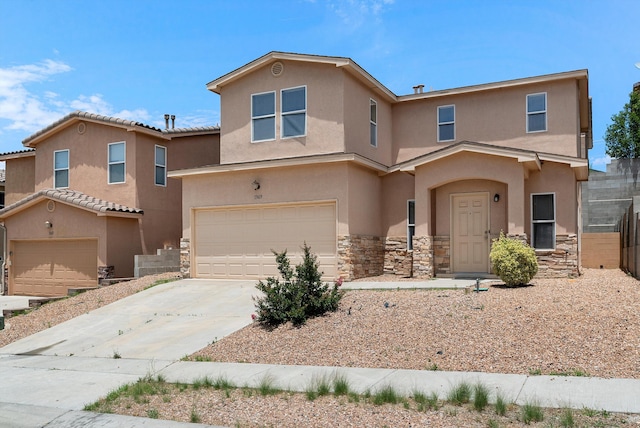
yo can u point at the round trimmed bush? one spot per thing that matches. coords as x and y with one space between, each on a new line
513 261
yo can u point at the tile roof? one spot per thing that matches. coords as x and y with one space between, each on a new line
75 198
80 115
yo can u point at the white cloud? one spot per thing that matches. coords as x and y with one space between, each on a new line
355 13
24 110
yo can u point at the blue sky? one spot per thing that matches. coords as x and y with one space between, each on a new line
139 59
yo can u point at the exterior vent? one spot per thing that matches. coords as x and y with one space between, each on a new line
277 69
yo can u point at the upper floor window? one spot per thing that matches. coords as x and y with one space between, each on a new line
117 166
1 199
61 169
373 123
543 218
411 222
446 123
537 112
161 166
263 116
294 112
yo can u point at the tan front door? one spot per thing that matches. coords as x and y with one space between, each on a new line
470 232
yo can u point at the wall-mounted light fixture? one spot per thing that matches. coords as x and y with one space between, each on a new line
256 185
48 224
496 197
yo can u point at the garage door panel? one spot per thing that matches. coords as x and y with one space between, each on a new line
49 268
238 242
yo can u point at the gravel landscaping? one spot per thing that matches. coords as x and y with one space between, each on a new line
587 326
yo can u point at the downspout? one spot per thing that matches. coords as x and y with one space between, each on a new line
3 286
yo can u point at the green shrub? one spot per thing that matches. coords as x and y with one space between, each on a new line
513 260
298 295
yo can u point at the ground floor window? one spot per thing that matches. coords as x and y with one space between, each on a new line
543 218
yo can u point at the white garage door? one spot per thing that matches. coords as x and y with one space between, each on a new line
49 268
237 242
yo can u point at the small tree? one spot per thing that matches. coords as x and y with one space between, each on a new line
623 134
513 260
300 294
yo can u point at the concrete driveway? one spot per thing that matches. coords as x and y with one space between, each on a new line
165 322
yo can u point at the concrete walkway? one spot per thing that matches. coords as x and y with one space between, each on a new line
47 379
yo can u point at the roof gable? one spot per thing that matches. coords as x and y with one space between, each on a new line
74 199
128 125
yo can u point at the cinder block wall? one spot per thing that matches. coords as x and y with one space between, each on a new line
607 195
163 261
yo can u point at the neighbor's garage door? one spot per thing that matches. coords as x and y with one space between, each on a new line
49 268
237 242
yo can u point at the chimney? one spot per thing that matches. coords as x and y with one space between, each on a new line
636 87
166 121
173 121
418 89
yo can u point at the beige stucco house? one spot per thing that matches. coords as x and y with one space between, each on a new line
314 149
89 193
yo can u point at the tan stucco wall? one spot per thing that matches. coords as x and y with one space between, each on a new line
325 115
397 189
559 179
356 190
469 166
495 117
67 223
356 119
191 151
88 161
124 241
19 179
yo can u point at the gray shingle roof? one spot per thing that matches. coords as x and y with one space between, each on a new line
73 197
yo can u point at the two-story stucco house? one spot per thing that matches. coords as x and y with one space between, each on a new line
90 193
314 149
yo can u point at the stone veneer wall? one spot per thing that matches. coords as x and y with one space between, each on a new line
360 256
442 255
561 262
185 257
423 257
397 259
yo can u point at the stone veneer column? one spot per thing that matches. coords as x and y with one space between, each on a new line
441 255
397 259
360 256
185 257
422 257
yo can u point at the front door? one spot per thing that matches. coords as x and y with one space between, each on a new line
470 232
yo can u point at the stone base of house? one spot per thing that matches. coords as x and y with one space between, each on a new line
360 256
397 259
561 262
423 257
442 255
185 257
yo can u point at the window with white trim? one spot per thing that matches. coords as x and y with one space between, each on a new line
294 112
537 112
61 169
411 222
543 219
446 123
263 117
117 163
161 166
373 123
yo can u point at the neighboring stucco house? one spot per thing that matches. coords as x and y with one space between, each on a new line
89 193
314 149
